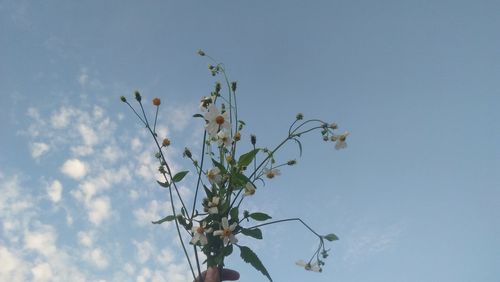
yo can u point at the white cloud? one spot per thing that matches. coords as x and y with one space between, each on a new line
97 258
42 241
42 272
54 190
364 242
86 238
62 118
136 144
154 211
12 268
99 210
38 149
83 78
74 168
88 135
144 251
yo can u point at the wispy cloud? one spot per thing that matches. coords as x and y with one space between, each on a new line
364 242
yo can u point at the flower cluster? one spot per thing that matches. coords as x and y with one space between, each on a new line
228 178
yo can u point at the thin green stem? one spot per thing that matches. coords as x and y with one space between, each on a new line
156 118
199 173
284 220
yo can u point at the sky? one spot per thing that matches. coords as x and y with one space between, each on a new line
414 197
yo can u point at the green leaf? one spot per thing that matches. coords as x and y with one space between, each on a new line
167 218
259 216
227 250
255 232
234 214
250 257
198 116
163 184
331 237
247 158
220 166
179 176
239 180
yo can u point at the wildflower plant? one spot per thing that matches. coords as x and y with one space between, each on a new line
225 177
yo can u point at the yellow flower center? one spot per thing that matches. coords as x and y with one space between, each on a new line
200 230
219 119
227 232
270 174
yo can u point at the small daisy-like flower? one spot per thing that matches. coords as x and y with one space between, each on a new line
212 205
249 189
226 233
199 234
214 176
156 101
271 173
340 140
223 138
309 266
216 121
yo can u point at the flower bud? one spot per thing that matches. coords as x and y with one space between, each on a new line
138 96
217 87
124 100
233 86
291 162
157 155
325 138
299 116
253 139
201 53
333 126
166 142
237 136
156 101
187 153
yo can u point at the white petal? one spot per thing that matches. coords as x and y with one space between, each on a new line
233 239
301 263
213 210
203 240
225 223
233 226
218 232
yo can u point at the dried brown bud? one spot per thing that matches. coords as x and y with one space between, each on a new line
166 142
156 101
253 139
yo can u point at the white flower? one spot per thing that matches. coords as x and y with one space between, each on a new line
249 189
216 121
340 140
271 173
309 266
223 138
199 234
212 205
214 176
226 233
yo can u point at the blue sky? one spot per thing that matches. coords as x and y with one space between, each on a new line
415 197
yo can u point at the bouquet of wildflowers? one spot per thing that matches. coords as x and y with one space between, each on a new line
225 177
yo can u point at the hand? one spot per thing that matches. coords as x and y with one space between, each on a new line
212 275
